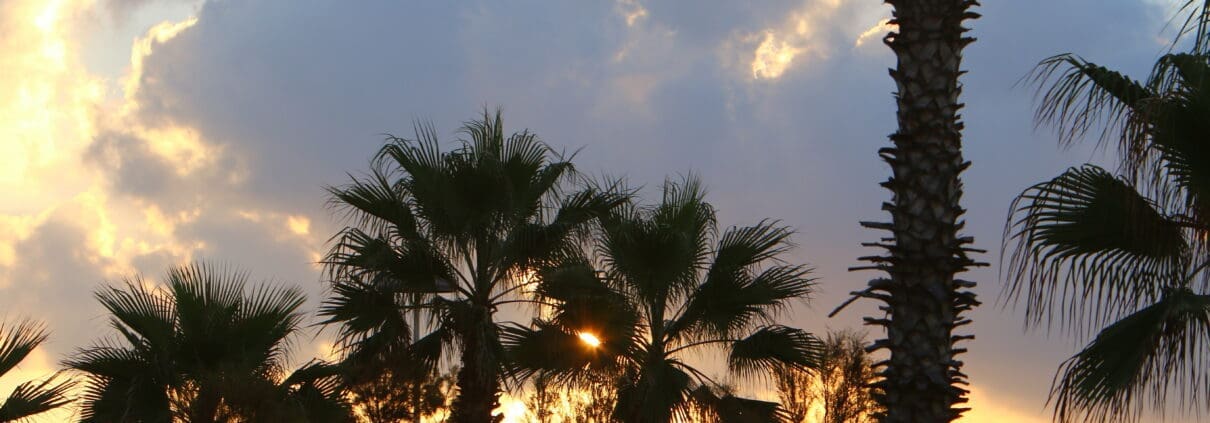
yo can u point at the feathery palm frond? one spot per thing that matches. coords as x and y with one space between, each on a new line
727 408
1135 363
1093 249
1090 249
774 346
33 397
16 342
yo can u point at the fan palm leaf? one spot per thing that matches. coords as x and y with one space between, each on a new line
32 397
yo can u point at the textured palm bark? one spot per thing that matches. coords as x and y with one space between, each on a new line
479 377
922 381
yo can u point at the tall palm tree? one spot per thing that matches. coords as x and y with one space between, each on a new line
33 397
669 288
468 223
203 348
922 379
1123 255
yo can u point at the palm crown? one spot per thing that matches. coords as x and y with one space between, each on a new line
1126 254
468 224
206 348
667 287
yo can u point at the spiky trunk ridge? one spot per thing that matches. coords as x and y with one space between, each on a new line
922 381
479 377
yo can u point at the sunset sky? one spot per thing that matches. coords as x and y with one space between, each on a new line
138 134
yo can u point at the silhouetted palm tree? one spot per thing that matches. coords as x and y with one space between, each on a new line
469 223
33 397
669 289
922 379
203 348
1125 255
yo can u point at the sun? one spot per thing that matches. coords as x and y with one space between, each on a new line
590 339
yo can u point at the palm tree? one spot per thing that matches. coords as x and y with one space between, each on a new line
1123 255
469 224
669 289
203 348
33 397
922 380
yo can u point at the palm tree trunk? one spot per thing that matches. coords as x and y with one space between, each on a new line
479 377
922 380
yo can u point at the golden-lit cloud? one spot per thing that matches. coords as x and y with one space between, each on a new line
632 11
46 103
773 56
300 225
52 111
882 27
143 47
810 33
797 37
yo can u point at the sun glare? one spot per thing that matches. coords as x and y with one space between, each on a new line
590 339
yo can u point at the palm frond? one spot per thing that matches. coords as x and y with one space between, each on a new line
122 385
548 349
372 318
727 408
1090 248
411 266
728 303
315 393
774 346
658 252
588 304
1174 122
734 296
140 313
534 244
376 204
1085 95
17 341
1137 362
31 398
1196 22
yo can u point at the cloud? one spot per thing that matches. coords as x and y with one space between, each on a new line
881 28
97 190
807 33
217 138
45 103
